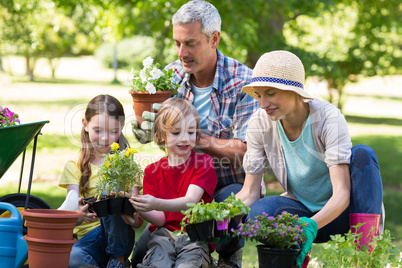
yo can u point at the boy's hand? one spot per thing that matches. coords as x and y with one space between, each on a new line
134 220
144 202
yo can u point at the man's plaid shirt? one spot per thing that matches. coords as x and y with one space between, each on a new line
232 108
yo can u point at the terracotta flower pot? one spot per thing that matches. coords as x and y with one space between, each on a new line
48 252
50 236
143 101
50 223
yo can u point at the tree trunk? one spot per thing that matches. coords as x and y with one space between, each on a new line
1 64
115 64
30 66
160 44
27 59
52 66
270 37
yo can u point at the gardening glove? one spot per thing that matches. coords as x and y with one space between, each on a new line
143 133
311 232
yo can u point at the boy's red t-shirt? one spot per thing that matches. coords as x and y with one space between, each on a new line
167 182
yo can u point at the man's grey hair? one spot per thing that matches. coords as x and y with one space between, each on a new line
202 11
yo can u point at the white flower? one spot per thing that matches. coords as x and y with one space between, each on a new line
156 73
150 88
148 62
143 75
130 77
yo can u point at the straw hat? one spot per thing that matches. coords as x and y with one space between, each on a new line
279 69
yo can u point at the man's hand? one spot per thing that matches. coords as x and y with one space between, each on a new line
144 133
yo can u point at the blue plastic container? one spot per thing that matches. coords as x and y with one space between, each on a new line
13 248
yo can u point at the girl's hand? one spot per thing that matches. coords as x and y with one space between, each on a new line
86 215
144 202
134 220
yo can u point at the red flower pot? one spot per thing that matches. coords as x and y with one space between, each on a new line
50 223
143 102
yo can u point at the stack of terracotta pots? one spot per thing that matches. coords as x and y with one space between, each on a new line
50 236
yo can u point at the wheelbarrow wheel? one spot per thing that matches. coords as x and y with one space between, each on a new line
18 200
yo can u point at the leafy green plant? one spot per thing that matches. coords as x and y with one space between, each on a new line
151 78
218 211
284 231
236 206
341 251
118 172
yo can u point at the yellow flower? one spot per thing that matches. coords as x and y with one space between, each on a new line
127 154
107 164
114 146
132 150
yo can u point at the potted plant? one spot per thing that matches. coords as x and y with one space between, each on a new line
198 221
8 118
228 215
342 251
119 175
209 221
281 238
148 86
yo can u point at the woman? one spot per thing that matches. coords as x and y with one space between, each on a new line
307 144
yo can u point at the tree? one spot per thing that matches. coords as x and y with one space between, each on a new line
38 28
352 39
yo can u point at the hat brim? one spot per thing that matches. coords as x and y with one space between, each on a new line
249 89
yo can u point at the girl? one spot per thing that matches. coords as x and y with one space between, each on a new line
307 144
101 126
183 176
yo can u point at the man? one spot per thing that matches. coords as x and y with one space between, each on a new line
213 83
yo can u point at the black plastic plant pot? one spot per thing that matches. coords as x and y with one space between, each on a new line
192 232
115 205
235 221
205 230
275 257
100 207
221 229
127 208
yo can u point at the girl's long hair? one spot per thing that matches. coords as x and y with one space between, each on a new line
98 105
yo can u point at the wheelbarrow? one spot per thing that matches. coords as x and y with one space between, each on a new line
15 140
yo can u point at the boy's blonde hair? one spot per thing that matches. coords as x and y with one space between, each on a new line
172 112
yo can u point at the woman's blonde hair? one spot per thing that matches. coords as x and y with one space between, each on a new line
172 112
